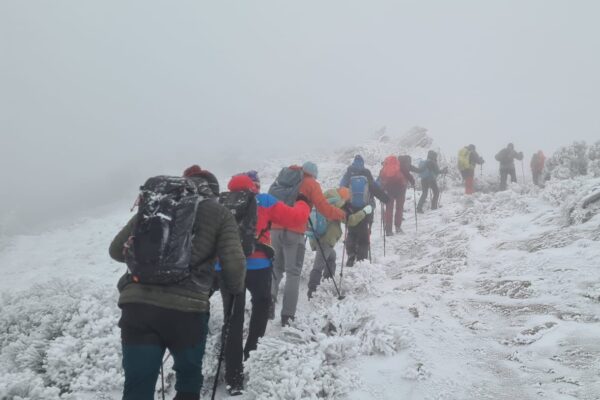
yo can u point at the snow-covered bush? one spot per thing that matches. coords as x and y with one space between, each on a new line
594 157
60 337
569 161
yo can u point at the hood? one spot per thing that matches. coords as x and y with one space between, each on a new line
358 163
432 155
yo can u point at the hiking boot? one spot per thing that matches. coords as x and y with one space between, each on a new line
399 230
351 261
235 390
310 294
389 233
420 210
286 320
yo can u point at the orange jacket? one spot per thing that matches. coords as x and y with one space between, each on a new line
311 189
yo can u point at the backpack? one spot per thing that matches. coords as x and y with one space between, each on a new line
287 185
359 189
244 208
391 172
464 159
424 172
318 223
405 162
159 250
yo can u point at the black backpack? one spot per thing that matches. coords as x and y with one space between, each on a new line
244 208
160 248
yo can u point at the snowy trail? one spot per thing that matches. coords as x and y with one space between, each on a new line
496 297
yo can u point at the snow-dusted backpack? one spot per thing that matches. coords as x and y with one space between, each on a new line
160 248
287 185
243 206
359 191
317 226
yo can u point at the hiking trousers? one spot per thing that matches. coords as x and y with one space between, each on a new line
146 332
469 177
320 267
536 175
427 184
358 241
399 199
258 283
504 173
289 257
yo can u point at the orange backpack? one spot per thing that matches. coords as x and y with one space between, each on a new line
391 173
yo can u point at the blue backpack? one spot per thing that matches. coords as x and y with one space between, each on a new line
359 189
425 172
318 223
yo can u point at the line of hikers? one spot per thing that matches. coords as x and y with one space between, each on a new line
188 240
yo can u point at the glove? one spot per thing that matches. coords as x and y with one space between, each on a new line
368 209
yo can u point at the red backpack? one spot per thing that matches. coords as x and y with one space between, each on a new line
391 173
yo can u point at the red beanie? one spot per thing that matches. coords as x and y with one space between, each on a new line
192 171
241 182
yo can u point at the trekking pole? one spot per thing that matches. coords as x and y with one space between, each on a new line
416 218
382 210
312 228
225 334
523 171
343 254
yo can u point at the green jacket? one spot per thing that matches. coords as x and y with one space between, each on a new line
215 235
334 228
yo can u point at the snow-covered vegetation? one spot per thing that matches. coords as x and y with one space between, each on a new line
495 296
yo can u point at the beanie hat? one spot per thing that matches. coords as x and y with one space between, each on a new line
311 169
194 170
241 182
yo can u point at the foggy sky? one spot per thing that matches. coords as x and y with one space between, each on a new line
96 95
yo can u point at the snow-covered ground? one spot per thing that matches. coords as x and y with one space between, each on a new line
497 296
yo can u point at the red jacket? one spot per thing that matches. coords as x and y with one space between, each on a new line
270 211
311 189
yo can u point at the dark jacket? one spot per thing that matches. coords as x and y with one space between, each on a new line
406 167
215 235
358 169
507 157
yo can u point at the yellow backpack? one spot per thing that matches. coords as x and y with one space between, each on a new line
464 159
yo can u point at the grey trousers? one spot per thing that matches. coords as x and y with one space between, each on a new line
289 257
320 266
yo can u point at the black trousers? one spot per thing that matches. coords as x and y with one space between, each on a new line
504 173
146 332
258 282
359 241
427 184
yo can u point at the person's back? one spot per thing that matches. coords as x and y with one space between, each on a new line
506 157
175 316
467 160
289 243
429 172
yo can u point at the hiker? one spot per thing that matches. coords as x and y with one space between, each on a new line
363 189
538 161
406 167
289 245
468 159
328 233
164 295
254 213
507 157
394 183
428 172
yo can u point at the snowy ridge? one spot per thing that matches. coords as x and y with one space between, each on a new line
495 297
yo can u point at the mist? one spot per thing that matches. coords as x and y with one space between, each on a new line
97 96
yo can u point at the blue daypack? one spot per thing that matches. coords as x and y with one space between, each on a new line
425 172
359 189
319 223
